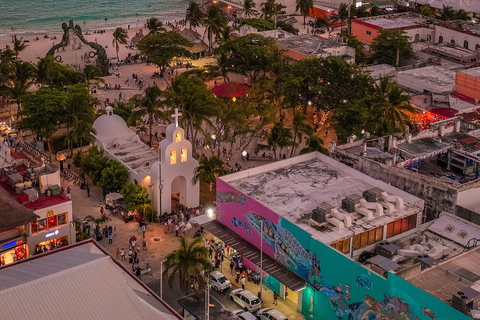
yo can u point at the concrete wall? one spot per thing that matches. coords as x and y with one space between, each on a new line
458 36
438 196
410 271
467 214
467 85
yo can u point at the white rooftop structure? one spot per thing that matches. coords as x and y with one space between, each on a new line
277 34
432 78
396 21
467 5
473 72
80 281
381 70
292 188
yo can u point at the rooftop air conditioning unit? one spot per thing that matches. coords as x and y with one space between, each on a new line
426 261
466 299
348 204
320 213
386 249
373 194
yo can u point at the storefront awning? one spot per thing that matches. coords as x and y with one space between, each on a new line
289 278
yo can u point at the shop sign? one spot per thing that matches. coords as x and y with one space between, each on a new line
12 244
53 233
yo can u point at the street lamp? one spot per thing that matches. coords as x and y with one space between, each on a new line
161 278
244 153
210 212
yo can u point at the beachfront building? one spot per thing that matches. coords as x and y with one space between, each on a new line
168 181
38 188
80 281
312 216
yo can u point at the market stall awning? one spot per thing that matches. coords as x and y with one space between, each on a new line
444 113
230 90
277 270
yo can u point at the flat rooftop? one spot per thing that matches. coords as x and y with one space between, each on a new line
292 188
47 202
133 154
395 22
433 78
474 72
443 280
308 44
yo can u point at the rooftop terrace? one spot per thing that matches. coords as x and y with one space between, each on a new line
293 188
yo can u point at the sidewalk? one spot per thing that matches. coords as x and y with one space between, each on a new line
288 306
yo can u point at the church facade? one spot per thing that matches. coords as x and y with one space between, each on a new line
168 175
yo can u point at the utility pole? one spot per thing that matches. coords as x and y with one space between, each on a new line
261 258
207 299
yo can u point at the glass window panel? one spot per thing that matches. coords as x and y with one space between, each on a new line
42 224
34 227
397 227
52 222
364 241
390 230
405 224
339 246
412 221
378 234
62 219
356 242
371 236
346 245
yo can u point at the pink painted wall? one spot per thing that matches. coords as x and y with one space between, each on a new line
360 29
232 207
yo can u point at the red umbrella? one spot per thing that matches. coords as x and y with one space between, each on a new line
230 90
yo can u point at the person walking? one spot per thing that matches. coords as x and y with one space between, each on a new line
117 253
275 297
242 282
144 228
110 237
144 245
88 191
122 254
232 266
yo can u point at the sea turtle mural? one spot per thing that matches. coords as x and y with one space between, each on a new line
99 51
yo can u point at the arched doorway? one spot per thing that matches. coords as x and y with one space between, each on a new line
179 191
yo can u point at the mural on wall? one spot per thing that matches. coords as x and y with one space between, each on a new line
360 296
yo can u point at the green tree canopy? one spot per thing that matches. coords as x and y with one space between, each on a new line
356 44
277 139
249 9
161 48
93 163
114 176
55 74
214 22
314 143
391 46
155 26
135 196
304 7
208 170
194 15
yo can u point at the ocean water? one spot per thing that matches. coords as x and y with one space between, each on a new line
38 17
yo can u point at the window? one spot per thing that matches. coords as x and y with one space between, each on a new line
52 221
465 44
173 156
369 33
401 225
452 41
62 219
477 46
178 136
183 157
342 245
417 37
440 39
42 224
367 238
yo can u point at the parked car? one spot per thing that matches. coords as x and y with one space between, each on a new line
219 282
243 315
271 314
246 299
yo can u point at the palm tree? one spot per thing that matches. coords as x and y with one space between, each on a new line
304 6
189 260
300 127
278 138
427 11
92 75
155 26
120 36
18 45
249 9
215 21
343 12
447 13
462 15
97 222
208 170
224 64
271 9
20 82
314 143
391 106
149 104
195 14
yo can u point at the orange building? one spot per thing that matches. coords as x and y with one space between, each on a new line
467 82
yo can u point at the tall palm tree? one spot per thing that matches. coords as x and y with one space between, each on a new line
92 75
189 260
18 45
78 115
427 11
215 21
97 222
343 13
304 7
155 26
149 104
314 143
271 9
249 9
391 105
224 64
462 15
20 81
208 170
447 13
195 14
300 127
120 36
278 138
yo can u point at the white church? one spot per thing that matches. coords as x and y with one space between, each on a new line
168 175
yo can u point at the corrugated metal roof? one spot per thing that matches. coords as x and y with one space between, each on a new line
78 283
